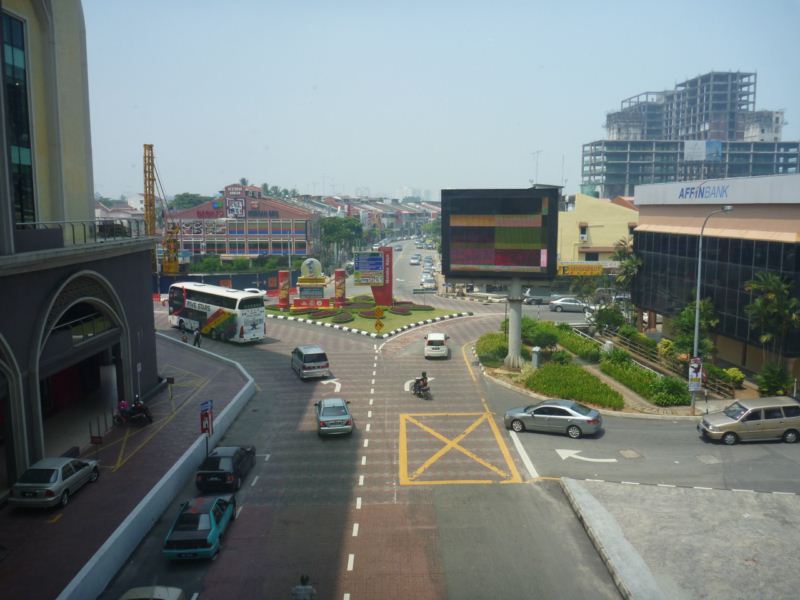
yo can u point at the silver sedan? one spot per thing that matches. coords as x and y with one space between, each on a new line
568 305
333 417
52 481
555 416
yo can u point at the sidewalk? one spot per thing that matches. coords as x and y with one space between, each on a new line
74 552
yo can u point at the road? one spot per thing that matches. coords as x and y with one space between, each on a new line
425 500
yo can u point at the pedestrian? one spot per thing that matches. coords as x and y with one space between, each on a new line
304 591
196 340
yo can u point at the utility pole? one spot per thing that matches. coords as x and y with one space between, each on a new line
536 154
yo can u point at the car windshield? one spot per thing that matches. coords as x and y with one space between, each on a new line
734 411
189 521
334 411
39 476
216 463
581 409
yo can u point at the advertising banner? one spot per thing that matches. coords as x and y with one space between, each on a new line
339 290
311 303
695 374
283 289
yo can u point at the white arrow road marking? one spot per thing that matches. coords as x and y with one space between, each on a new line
336 385
407 385
565 454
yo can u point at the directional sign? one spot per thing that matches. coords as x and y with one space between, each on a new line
368 268
378 312
565 454
206 405
336 385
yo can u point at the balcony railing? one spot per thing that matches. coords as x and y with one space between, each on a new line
42 235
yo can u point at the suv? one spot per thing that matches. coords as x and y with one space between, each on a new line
772 418
310 361
436 346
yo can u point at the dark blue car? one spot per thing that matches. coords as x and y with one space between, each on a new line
200 525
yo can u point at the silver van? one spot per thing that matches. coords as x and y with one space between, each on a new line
310 361
772 418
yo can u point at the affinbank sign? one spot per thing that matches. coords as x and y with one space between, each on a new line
769 189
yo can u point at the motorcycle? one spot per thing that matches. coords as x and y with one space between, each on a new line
138 413
421 388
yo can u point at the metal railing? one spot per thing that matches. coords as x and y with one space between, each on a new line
90 231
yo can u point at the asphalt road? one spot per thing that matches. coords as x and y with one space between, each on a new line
425 500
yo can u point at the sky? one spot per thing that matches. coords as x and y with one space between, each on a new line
391 98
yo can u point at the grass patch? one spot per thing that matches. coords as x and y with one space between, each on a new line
573 383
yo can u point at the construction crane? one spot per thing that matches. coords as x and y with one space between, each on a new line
169 241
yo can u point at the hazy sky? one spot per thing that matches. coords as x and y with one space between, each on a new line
384 97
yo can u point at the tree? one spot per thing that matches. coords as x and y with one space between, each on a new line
773 312
244 181
187 200
265 189
623 248
340 234
684 330
628 269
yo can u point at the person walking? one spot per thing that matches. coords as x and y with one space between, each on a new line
196 339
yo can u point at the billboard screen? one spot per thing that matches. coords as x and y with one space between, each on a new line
500 234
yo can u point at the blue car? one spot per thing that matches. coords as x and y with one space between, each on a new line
200 525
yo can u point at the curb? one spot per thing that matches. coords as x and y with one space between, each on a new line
381 336
630 572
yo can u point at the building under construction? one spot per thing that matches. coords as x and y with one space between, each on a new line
705 127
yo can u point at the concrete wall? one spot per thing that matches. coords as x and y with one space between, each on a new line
607 223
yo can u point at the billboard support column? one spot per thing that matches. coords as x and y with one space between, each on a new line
514 358
339 291
284 282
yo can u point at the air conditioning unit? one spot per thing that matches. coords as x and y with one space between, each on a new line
584 237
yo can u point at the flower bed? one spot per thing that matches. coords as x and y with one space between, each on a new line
368 314
400 310
343 317
323 314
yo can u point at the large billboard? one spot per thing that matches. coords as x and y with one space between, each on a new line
368 268
500 234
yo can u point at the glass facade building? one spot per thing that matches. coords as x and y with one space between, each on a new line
666 282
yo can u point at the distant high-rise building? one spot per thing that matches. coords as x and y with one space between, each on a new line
705 127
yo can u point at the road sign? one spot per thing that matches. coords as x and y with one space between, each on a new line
378 312
378 325
206 405
695 374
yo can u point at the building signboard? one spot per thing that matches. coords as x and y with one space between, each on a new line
368 268
580 270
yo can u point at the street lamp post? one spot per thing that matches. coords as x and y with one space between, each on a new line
696 351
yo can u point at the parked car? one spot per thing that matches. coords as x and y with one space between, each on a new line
199 527
225 468
569 305
773 418
555 416
53 481
333 417
436 346
310 361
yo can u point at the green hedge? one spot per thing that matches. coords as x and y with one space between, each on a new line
661 391
492 348
586 349
630 333
572 382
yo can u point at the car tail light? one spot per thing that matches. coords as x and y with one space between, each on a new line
593 421
349 422
241 331
324 366
229 477
323 424
49 494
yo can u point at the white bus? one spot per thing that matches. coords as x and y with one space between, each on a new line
219 312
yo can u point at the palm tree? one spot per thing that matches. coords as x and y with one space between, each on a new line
623 248
774 311
627 271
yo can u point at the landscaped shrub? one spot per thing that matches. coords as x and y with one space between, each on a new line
735 377
368 314
303 311
343 317
400 310
773 380
323 314
561 357
572 382
670 391
538 333
364 298
666 348
491 349
586 349
421 307
402 302
360 305
630 375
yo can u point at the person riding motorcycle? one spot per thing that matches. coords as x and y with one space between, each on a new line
421 384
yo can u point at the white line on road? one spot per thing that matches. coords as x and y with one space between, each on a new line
355 529
736 490
700 487
524 455
350 560
374 365
194 596
363 460
629 482
665 485
346 596
266 457
252 483
785 493
373 381
358 503
239 511
371 391
596 480
360 480
369 416
368 426
366 443
370 401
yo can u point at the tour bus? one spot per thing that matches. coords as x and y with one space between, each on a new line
219 312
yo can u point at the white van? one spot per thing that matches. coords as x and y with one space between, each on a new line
436 346
310 361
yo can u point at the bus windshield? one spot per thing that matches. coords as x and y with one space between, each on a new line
254 302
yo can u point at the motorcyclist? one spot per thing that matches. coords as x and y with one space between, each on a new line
124 409
421 383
